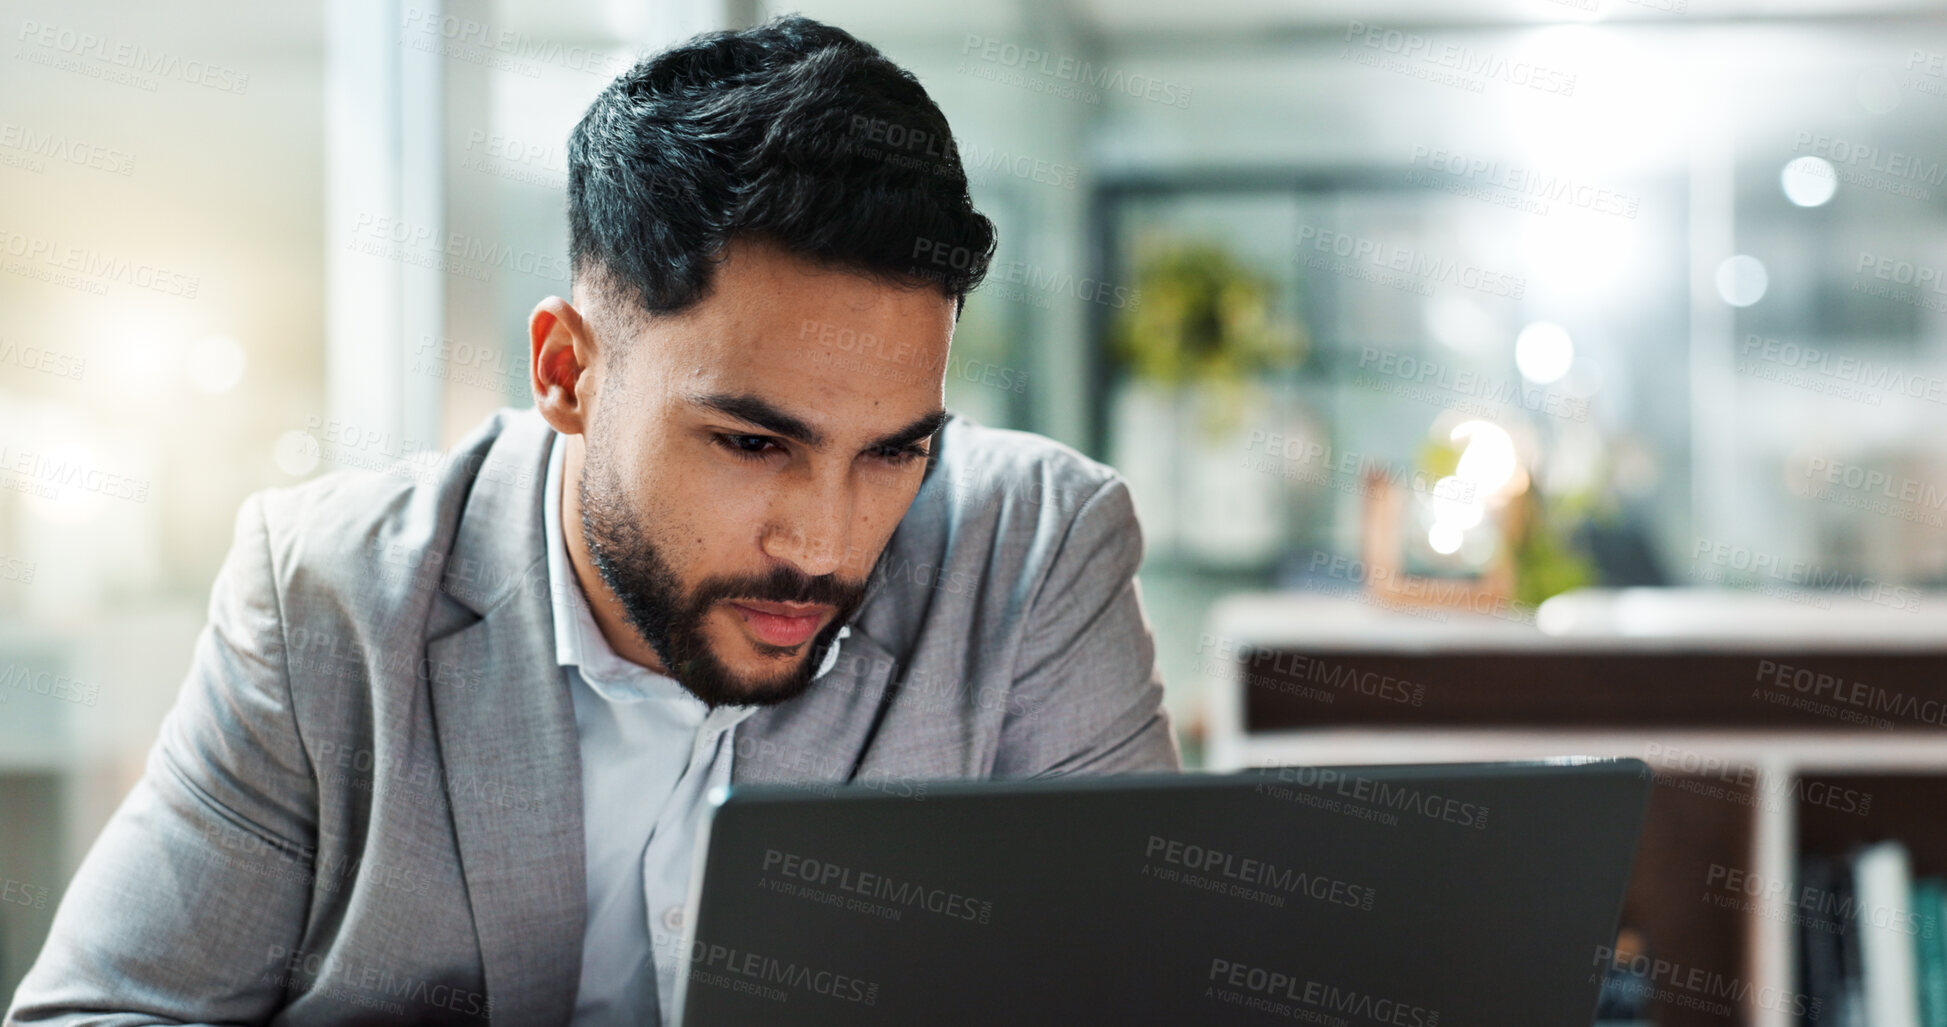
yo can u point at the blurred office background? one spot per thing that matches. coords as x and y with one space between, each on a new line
1421 314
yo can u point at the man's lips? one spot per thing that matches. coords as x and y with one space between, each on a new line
782 624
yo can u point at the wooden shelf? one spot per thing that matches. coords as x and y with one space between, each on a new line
1746 773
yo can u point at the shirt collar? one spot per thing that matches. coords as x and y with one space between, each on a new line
578 640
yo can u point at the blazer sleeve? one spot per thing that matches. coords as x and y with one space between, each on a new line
191 900
1088 697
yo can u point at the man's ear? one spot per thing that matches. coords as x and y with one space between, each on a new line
562 353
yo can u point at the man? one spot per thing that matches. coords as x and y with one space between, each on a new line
443 747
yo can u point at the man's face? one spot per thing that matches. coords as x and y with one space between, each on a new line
748 459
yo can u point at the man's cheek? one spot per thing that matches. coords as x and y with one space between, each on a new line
873 532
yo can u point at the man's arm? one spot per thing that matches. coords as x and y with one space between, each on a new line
1088 697
200 881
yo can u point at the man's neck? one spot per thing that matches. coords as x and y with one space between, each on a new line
602 601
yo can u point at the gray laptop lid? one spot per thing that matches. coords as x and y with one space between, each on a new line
1425 896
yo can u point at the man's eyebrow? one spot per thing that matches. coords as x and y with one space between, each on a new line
760 412
922 428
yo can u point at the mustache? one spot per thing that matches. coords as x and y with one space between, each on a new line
781 585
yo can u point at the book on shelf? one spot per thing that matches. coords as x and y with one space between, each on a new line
1930 950
1872 940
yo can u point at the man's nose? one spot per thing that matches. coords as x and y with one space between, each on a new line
814 534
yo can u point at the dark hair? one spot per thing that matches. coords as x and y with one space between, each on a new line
795 132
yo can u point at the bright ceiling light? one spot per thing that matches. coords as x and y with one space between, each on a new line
1741 280
1809 181
1581 256
1543 351
1488 462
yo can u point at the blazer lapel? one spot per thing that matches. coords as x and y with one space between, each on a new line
508 741
822 735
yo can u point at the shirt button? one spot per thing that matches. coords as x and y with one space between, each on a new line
673 919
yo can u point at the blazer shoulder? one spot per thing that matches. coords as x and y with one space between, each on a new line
339 523
981 467
364 533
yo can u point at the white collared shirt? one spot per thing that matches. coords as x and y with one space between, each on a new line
650 753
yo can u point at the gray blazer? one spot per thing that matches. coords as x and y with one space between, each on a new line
365 805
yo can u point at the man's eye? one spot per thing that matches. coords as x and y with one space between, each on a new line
753 446
900 456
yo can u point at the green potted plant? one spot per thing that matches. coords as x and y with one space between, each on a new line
1193 352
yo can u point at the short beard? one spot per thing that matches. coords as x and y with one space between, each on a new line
653 600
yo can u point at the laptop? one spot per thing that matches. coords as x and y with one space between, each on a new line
1408 896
